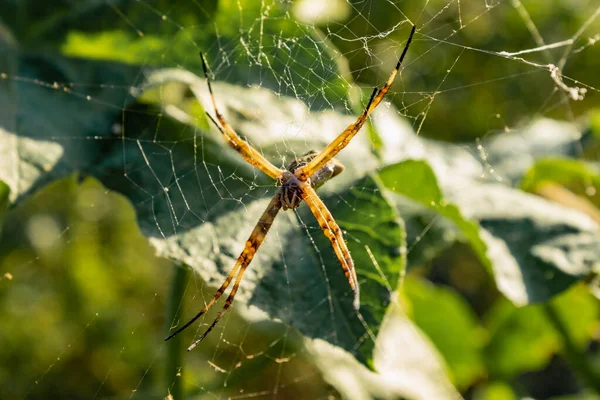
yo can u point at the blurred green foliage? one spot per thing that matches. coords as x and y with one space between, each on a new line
80 268
84 299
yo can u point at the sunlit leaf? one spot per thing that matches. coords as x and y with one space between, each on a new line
406 364
451 325
416 180
575 175
495 391
510 155
562 171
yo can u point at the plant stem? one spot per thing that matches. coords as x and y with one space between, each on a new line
577 359
174 364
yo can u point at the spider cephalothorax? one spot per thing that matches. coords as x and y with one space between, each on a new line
290 182
298 183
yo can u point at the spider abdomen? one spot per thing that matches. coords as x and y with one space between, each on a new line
290 191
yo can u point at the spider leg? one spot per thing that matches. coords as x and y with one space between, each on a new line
228 302
216 297
252 244
344 138
248 152
333 232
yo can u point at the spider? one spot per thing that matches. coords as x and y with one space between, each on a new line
297 183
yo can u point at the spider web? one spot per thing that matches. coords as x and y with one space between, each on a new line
127 145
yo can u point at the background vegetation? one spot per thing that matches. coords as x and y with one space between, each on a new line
477 240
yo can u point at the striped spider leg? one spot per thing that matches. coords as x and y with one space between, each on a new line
252 244
344 138
298 183
249 153
334 234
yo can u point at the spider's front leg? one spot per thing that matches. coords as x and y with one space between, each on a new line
344 138
250 154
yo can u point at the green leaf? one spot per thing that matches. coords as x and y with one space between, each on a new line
116 45
311 275
595 122
535 249
37 143
510 155
497 390
406 357
406 364
576 175
39 24
452 326
413 178
538 248
92 30
523 339
4 192
428 235
375 234
416 180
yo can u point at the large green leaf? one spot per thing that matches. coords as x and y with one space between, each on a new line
190 189
296 269
218 210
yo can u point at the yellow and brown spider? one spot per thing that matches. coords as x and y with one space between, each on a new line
297 183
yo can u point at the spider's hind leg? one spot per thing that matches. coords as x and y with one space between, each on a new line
252 244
